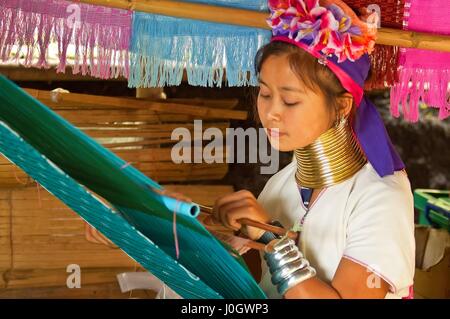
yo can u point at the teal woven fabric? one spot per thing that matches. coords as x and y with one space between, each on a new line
72 166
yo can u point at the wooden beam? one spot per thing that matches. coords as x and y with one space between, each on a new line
98 101
249 18
215 103
21 73
100 291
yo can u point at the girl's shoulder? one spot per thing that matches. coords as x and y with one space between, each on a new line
387 199
367 181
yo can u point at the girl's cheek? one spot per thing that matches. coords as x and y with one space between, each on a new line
262 110
293 120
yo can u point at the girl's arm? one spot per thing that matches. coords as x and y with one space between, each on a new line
350 281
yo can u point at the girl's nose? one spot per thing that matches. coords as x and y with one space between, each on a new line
274 113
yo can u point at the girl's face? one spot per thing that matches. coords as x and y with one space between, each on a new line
285 103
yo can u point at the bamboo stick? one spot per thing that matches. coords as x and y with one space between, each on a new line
159 171
255 245
95 291
225 234
150 155
386 36
5 232
153 167
138 144
80 105
154 130
249 222
22 73
215 103
207 194
109 117
132 103
116 117
27 278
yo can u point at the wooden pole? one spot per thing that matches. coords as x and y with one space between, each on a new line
130 103
245 221
249 18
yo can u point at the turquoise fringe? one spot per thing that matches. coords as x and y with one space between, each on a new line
163 47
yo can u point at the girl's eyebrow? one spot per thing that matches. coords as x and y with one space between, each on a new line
292 89
284 88
262 82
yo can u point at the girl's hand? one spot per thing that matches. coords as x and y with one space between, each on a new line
230 208
223 233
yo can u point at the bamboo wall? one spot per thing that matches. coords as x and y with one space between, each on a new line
40 236
138 131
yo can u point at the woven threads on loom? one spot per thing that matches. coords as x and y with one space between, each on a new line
136 220
103 218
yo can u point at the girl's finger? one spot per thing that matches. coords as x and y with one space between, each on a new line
234 211
225 209
243 194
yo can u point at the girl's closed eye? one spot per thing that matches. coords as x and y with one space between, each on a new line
291 99
291 103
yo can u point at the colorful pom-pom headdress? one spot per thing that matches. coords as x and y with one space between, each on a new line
331 32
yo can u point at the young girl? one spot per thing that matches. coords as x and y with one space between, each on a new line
347 190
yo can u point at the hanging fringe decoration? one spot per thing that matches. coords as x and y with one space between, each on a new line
98 36
163 47
384 59
424 75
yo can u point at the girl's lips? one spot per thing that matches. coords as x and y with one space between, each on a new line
275 133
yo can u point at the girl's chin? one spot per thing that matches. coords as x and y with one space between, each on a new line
282 147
